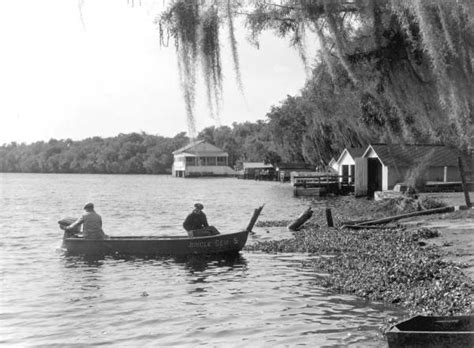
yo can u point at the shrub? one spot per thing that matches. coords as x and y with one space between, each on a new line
415 177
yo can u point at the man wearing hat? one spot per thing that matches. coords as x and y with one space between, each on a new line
196 220
196 223
91 223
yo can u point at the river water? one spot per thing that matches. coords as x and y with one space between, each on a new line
49 299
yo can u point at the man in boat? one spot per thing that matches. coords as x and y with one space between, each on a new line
196 223
91 223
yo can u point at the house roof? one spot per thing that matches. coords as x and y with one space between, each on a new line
200 147
253 165
407 155
294 165
354 152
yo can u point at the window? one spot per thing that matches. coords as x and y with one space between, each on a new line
202 161
221 161
190 161
211 161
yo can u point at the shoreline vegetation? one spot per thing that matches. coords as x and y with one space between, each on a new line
395 264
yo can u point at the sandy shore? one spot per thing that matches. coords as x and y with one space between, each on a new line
456 240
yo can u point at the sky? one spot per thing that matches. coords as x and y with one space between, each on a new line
100 71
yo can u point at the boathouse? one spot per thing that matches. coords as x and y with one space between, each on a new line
201 159
258 171
382 166
345 164
284 170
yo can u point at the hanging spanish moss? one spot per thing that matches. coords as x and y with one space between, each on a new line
194 26
233 45
182 21
211 60
410 62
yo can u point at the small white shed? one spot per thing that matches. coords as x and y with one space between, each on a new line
346 163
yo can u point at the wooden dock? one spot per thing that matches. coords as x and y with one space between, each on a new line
434 186
320 184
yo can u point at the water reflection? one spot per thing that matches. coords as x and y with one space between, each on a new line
195 264
79 261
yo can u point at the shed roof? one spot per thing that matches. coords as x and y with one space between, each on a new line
354 152
294 165
256 165
407 155
201 147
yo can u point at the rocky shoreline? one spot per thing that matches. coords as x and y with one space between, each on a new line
397 264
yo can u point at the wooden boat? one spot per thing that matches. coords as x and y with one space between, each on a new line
227 243
433 331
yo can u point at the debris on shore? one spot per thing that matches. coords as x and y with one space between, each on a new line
394 266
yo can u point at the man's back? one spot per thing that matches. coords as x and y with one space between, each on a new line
92 227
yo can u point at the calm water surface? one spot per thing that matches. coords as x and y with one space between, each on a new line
258 300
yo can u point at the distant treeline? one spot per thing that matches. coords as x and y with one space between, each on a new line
141 153
135 153
124 154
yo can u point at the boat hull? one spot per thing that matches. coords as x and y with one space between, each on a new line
432 331
158 246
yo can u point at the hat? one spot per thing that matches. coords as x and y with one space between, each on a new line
198 206
89 206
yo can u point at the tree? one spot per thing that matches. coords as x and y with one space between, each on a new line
409 62
127 154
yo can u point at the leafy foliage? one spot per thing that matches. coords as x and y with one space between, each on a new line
244 142
404 67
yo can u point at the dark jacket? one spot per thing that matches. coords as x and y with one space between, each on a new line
195 221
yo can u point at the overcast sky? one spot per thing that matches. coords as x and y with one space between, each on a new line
61 77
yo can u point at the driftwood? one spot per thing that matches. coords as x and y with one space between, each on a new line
403 216
254 218
362 227
353 222
305 216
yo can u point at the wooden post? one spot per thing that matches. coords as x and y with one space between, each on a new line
463 183
329 217
295 225
254 218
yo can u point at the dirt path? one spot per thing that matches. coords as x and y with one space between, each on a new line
456 240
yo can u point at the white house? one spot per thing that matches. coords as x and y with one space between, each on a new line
201 159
